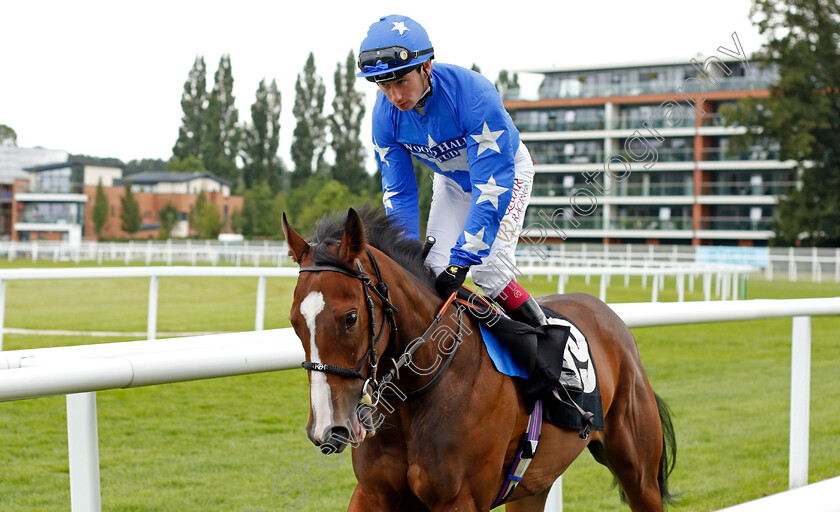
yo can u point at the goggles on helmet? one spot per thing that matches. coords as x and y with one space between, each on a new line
388 57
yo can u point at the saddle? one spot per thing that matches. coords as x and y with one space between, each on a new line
537 354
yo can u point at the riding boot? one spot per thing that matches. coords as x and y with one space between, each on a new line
529 312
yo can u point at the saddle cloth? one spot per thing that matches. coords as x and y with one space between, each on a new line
535 354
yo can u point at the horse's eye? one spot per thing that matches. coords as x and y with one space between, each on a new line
350 319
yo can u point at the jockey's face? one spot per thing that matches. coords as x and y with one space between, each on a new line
407 90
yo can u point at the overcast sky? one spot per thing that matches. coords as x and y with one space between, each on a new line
105 78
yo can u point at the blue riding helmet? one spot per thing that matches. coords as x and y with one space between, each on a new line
395 45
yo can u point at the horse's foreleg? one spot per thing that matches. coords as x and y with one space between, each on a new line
364 501
532 503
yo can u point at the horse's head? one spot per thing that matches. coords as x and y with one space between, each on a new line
331 317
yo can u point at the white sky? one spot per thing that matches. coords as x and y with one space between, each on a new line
105 78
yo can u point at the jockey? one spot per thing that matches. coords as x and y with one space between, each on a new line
453 120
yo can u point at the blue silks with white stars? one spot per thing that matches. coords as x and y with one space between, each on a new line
466 135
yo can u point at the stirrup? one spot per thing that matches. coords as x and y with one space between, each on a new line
569 379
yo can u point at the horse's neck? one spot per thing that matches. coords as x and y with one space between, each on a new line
418 306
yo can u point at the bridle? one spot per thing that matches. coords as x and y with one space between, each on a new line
380 289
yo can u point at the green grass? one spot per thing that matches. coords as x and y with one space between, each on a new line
219 444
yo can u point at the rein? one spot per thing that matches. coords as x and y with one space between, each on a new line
380 289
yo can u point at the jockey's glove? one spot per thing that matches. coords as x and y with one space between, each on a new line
450 280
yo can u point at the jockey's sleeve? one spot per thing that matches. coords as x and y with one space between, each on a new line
399 185
490 152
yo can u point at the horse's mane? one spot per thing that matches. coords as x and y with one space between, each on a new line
381 233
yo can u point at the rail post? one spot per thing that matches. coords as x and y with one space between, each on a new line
83 452
151 323
800 401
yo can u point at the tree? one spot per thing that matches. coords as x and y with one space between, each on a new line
309 137
345 127
100 210
475 68
223 135
801 114
8 136
188 164
191 134
205 217
146 164
130 214
262 139
167 218
259 216
507 85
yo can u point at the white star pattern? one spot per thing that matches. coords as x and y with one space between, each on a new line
490 192
475 243
386 199
381 152
399 25
487 139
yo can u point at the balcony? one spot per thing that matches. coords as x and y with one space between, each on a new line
58 218
750 155
534 221
653 189
559 126
745 188
548 157
734 224
635 123
652 223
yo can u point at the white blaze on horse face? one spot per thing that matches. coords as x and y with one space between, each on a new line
319 390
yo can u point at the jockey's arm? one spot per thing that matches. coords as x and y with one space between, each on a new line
399 184
490 153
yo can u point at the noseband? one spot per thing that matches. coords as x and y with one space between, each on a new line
380 289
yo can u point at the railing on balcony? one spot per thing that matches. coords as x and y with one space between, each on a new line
635 123
721 154
734 223
654 189
558 190
745 188
715 119
559 126
544 157
674 223
534 221
570 89
35 218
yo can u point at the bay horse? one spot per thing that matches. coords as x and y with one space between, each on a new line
450 447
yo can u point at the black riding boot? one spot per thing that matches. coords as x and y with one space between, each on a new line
529 312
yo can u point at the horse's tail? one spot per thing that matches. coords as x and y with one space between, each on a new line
669 450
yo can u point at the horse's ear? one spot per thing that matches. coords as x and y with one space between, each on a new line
353 239
297 245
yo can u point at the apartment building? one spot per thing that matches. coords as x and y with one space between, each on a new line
639 153
56 201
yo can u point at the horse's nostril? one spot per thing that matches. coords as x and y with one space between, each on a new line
338 435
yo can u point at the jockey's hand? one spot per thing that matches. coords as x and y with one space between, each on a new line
450 280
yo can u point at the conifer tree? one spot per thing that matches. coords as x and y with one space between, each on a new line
309 137
191 134
262 139
345 126
100 209
130 214
223 136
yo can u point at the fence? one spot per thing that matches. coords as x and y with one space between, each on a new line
154 274
818 263
80 371
724 276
